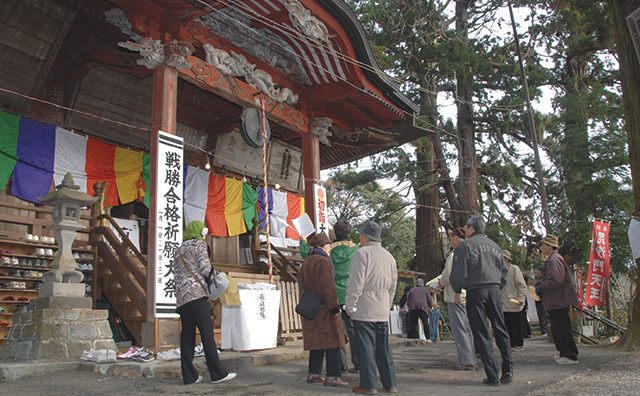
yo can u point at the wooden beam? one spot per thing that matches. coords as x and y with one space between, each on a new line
234 89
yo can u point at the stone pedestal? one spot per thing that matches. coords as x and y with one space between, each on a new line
56 333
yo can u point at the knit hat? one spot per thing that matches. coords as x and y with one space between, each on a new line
550 240
419 282
459 232
195 230
320 239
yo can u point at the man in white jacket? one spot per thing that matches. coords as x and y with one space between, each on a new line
370 290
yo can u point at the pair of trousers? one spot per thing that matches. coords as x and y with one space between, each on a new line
483 303
434 317
562 334
194 314
372 346
514 321
348 325
542 317
461 332
316 356
414 328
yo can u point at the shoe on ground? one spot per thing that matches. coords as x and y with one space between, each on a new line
335 382
127 355
564 360
229 377
364 391
467 367
312 378
199 380
506 378
393 389
556 357
487 381
517 348
354 370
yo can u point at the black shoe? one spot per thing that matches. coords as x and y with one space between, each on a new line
487 381
506 378
354 370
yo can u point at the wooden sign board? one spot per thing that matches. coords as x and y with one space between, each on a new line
285 165
234 154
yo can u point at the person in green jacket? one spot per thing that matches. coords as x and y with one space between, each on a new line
342 252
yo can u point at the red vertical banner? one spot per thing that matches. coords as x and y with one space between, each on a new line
598 265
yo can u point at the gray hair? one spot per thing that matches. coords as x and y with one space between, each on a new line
477 222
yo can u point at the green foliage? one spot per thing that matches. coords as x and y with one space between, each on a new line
357 197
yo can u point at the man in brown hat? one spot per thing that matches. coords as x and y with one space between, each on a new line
558 295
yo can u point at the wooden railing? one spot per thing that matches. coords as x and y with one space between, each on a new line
135 287
284 264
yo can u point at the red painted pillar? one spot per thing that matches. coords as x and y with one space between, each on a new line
163 118
311 160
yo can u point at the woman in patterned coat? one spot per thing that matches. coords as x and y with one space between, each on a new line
191 268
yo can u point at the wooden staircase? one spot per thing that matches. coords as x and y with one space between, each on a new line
121 274
286 262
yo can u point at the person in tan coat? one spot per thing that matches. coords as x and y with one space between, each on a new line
514 295
324 334
370 290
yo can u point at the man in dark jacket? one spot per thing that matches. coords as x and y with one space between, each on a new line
478 267
419 302
558 295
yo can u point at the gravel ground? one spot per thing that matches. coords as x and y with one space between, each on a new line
620 376
420 370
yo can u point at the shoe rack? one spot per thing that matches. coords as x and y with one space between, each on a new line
19 267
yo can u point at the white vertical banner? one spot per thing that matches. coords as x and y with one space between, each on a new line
169 212
320 209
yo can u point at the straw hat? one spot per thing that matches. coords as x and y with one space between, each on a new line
550 240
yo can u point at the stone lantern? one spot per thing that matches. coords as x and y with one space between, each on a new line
60 324
64 280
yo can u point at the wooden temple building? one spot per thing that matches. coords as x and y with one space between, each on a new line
120 71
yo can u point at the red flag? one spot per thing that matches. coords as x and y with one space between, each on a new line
598 265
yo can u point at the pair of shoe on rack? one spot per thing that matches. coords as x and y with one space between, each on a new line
36 239
329 381
41 252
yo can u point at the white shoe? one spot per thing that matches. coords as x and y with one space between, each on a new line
564 360
35 239
49 253
229 377
199 380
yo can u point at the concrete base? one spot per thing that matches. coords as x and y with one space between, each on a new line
56 333
61 302
168 333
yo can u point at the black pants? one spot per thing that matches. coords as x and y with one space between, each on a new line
486 303
514 321
542 317
194 314
562 334
348 324
414 328
316 357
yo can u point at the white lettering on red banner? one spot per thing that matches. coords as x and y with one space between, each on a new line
598 274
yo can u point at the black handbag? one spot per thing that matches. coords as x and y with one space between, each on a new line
310 302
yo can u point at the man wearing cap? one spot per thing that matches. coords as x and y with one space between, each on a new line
457 306
479 268
370 290
558 295
419 302
514 296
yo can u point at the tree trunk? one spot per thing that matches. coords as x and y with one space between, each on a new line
468 173
429 255
630 76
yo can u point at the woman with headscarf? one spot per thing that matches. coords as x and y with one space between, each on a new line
191 269
324 334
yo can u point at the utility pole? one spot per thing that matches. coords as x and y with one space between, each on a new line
532 126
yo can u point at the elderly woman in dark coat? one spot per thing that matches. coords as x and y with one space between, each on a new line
324 334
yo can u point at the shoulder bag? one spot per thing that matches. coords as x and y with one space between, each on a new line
217 284
310 302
